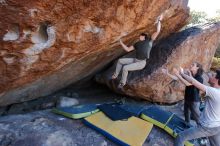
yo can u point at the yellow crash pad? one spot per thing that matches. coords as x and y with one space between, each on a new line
133 131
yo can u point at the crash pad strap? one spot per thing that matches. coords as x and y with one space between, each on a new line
168 120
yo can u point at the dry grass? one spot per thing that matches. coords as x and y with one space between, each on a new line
215 63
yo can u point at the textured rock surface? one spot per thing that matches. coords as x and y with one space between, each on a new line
88 93
46 45
180 49
67 101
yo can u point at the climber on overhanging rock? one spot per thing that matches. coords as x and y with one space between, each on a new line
143 48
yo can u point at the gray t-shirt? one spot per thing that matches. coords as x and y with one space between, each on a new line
210 117
143 49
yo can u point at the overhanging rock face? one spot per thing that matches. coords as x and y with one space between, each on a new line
46 45
181 49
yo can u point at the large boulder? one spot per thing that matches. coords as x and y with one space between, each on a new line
46 45
180 49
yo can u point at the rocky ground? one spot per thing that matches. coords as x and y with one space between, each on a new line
43 128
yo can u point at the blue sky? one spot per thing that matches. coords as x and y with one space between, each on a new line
208 6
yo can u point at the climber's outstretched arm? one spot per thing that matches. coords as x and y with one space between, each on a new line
158 22
126 48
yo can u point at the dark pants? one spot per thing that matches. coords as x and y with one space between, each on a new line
213 135
191 108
